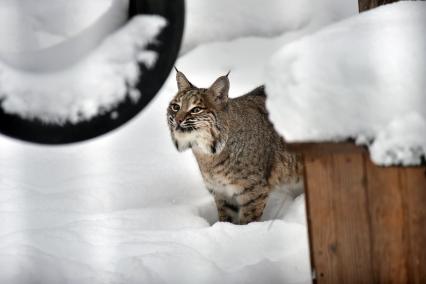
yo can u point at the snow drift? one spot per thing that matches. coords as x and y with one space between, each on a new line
27 25
97 83
362 78
59 35
221 20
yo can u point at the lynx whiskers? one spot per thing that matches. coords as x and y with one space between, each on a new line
240 155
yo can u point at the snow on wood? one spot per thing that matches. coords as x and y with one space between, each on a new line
362 78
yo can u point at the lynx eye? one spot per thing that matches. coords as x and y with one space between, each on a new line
196 110
175 107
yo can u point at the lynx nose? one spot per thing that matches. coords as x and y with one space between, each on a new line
179 120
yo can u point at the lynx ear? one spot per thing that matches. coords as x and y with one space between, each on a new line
182 83
219 89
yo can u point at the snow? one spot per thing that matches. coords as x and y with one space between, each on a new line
30 25
95 84
128 208
403 141
48 37
361 78
60 35
222 20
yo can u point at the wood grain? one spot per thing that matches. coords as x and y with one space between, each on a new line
367 223
321 218
387 208
413 184
337 201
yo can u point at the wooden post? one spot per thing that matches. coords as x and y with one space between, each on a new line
365 5
367 224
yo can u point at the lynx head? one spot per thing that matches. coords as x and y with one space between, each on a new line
196 115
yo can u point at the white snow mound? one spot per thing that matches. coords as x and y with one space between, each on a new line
222 20
362 78
93 85
29 25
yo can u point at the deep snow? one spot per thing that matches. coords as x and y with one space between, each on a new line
97 83
30 25
361 78
221 20
47 36
128 208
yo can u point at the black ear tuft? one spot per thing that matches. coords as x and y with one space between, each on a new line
183 83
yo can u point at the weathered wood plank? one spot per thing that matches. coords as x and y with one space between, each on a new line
320 208
367 223
352 219
337 203
389 230
413 184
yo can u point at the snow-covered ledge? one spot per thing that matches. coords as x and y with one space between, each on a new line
363 78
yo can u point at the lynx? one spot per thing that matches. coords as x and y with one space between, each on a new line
240 155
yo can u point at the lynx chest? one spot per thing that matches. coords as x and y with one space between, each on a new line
220 185
217 180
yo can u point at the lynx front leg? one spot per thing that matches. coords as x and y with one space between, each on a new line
226 211
251 208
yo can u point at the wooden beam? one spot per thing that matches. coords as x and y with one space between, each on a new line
338 219
364 5
367 223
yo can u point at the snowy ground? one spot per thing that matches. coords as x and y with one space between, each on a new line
127 208
361 78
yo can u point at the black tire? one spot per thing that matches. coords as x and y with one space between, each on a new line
149 84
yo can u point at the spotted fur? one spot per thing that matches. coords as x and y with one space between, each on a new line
240 155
